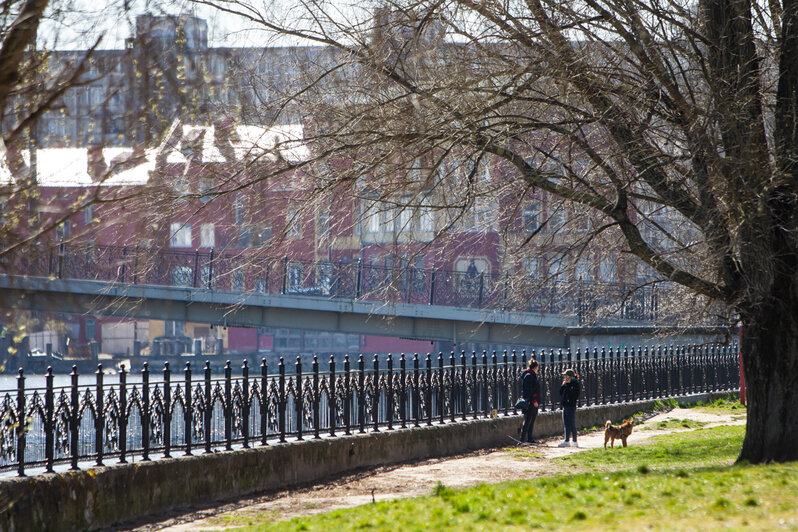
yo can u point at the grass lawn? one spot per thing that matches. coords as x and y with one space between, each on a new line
682 481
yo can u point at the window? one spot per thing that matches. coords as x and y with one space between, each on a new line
294 223
88 214
207 236
97 96
182 276
426 222
556 220
531 214
532 267
583 269
405 219
372 219
63 231
387 218
91 254
91 329
607 270
205 184
557 269
294 278
205 278
238 280
238 211
261 286
323 227
261 234
180 235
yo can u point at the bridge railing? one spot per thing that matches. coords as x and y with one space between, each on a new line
244 271
193 410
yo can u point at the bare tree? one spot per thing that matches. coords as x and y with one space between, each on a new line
673 124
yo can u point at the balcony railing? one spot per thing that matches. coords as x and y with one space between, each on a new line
244 271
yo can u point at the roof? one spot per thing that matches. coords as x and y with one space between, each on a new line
69 167
208 144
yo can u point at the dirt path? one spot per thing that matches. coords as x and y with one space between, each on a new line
419 478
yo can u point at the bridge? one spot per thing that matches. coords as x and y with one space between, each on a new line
245 289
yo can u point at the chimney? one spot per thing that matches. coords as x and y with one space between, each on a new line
96 166
223 138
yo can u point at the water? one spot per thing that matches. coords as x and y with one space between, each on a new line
8 383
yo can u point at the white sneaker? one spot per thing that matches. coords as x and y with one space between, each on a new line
574 444
564 444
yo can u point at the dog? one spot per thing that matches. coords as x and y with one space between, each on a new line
614 432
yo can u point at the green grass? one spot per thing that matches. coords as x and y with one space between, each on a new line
685 480
717 446
729 404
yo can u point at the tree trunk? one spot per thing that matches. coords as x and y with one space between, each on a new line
770 365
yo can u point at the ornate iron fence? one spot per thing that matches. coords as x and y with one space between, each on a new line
179 413
247 271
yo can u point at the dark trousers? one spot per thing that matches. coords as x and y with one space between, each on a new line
529 423
569 421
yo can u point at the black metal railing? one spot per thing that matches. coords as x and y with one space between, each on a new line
180 413
246 271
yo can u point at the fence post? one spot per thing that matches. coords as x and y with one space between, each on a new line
453 391
245 402
49 426
441 391
428 391
375 405
281 401
21 421
228 406
416 391
333 397
167 411
99 420
73 418
208 407
299 405
505 392
316 399
145 413
474 385
485 381
403 390
464 384
347 395
188 412
494 374
389 392
264 402
361 393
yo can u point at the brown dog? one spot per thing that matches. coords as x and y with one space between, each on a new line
613 432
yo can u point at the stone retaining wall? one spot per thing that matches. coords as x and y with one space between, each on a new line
103 497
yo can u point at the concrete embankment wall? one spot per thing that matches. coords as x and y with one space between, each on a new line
106 496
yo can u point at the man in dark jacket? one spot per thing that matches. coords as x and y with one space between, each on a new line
569 394
530 391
